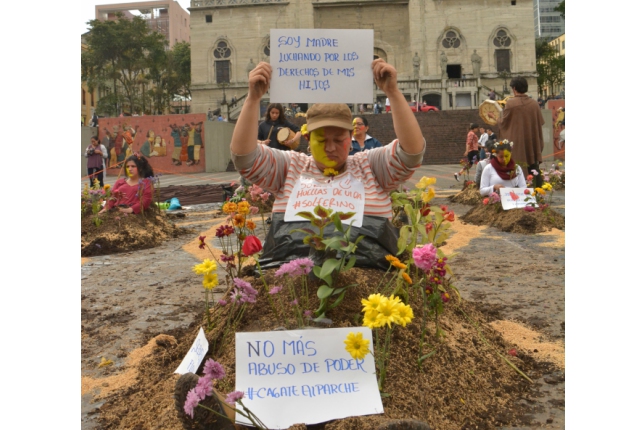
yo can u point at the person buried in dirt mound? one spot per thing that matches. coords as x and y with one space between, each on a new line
135 193
329 128
501 171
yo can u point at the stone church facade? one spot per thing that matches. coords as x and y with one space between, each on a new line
448 53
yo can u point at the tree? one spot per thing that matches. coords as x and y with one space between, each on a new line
120 54
560 8
549 65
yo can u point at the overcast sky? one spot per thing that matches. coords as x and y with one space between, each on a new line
88 10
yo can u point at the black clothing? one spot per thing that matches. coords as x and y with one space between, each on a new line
265 126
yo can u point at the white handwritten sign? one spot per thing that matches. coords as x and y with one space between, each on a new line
515 198
321 66
304 376
345 194
194 357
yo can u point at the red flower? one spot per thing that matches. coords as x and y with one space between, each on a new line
530 178
425 210
526 191
485 201
202 245
251 245
512 352
529 209
450 216
444 208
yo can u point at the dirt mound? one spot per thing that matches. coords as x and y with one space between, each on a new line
468 196
515 220
120 233
464 384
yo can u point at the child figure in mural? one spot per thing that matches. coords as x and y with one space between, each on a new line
129 135
177 144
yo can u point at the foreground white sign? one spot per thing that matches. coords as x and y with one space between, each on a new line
194 357
514 198
342 195
304 376
321 66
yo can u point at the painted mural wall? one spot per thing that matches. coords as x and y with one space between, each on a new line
172 143
557 113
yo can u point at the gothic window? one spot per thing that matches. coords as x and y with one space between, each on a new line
222 50
451 39
379 53
221 53
267 48
502 39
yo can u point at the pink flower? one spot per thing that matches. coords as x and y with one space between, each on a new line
191 402
213 369
265 196
512 352
275 290
529 209
425 256
204 388
222 302
294 302
234 396
253 210
308 313
494 198
534 172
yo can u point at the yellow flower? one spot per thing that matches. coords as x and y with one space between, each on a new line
547 186
540 191
559 164
330 172
370 319
405 314
398 265
372 302
243 207
424 182
407 278
229 207
206 267
426 197
251 225
107 187
388 312
390 258
356 345
210 281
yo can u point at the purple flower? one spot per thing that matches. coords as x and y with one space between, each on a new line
213 369
204 388
494 197
425 256
237 296
227 258
275 290
294 303
534 172
529 209
234 396
191 402
308 313
305 265
247 291
222 302
300 266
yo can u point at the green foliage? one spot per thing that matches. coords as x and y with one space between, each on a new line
560 8
549 65
129 63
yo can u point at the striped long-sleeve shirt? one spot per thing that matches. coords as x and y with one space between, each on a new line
381 170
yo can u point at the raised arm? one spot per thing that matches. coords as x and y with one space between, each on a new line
243 140
404 121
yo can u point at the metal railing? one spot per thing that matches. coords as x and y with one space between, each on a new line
223 3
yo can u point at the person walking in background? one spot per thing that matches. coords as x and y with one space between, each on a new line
492 95
482 142
387 106
96 154
521 123
472 148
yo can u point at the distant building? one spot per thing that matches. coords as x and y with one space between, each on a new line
232 36
548 23
89 98
166 17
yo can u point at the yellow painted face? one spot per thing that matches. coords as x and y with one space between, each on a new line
507 156
316 143
355 127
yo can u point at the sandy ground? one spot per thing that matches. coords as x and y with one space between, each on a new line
129 299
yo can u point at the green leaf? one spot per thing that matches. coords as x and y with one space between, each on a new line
411 214
316 271
424 357
350 263
317 222
402 240
338 300
358 239
306 215
324 291
345 215
328 267
336 222
303 230
322 212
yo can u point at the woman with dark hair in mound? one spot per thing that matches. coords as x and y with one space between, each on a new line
274 120
135 192
501 171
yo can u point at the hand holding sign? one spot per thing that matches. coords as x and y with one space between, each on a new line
385 75
259 80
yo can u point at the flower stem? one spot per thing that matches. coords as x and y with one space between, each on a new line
266 288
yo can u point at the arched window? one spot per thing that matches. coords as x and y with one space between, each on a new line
503 43
451 39
267 48
379 53
221 53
